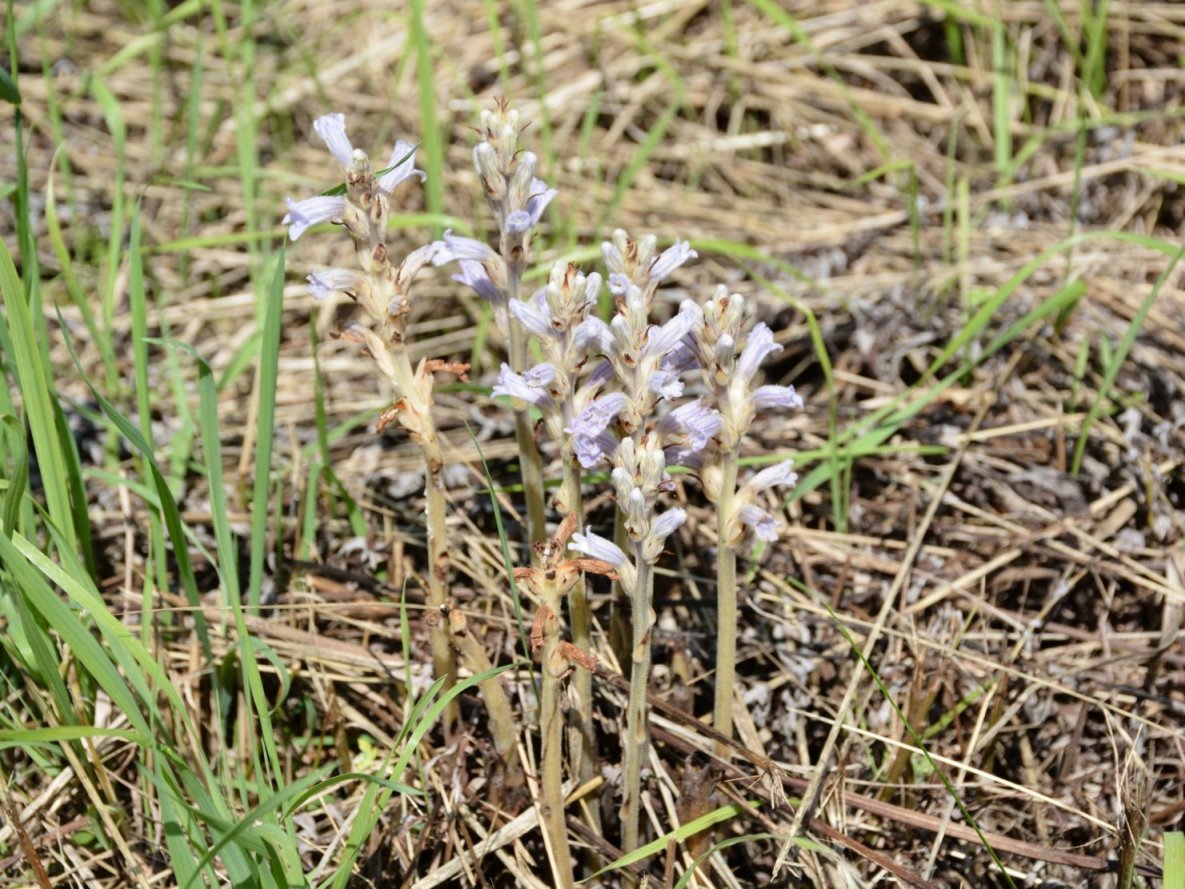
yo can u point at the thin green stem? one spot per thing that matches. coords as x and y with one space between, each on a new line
636 733
551 726
726 601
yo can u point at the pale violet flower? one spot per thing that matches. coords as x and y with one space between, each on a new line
456 247
597 416
763 524
775 396
530 386
592 449
593 334
403 167
519 221
666 384
670 259
619 283
664 339
666 524
332 130
326 281
304 214
759 346
533 314
660 529
597 547
778 475
692 424
474 275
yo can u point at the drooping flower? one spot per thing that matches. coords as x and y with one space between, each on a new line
598 547
778 475
669 260
304 214
763 524
457 247
326 281
764 397
530 386
402 167
604 550
660 529
473 274
533 314
332 130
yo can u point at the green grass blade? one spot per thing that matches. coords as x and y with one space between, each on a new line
429 126
269 361
1112 369
678 835
33 375
1174 860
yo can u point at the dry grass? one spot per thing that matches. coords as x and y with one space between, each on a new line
1023 618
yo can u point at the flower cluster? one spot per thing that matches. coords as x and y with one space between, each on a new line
381 287
377 285
362 217
730 355
517 199
557 315
630 396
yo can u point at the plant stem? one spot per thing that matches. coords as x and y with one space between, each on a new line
529 459
636 733
444 660
502 726
584 749
619 624
726 602
551 726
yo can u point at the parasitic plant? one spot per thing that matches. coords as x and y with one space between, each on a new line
381 287
730 352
